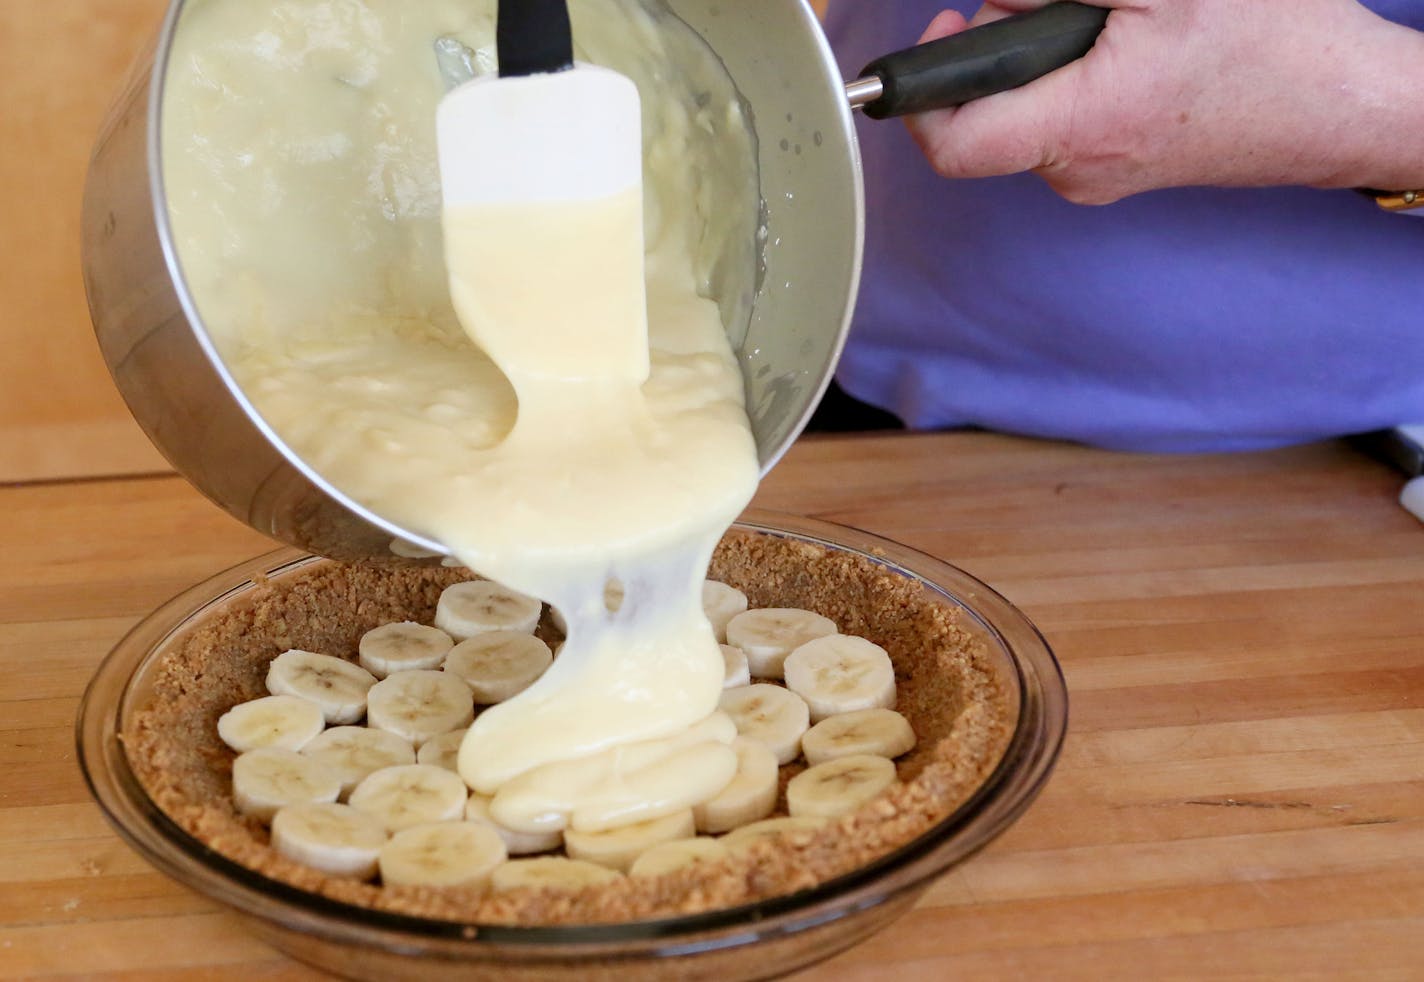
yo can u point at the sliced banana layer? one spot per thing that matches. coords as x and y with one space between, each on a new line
477 809
420 704
400 647
442 751
769 634
336 685
734 660
880 732
267 780
749 835
284 722
410 795
411 815
336 839
749 797
840 673
617 848
467 609
721 603
447 854
679 853
550 873
769 714
353 752
838 786
498 665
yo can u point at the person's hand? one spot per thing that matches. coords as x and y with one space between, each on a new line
1186 92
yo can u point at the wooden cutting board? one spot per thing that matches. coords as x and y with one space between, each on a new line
1241 793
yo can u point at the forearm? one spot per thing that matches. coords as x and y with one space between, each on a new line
1378 139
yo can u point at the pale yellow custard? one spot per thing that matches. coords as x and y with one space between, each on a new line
602 477
585 443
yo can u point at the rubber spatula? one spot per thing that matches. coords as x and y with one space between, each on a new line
545 131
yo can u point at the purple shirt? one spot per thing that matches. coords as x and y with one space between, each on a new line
1180 320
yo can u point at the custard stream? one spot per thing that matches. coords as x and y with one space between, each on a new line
605 474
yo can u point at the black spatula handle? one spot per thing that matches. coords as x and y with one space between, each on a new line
999 56
533 37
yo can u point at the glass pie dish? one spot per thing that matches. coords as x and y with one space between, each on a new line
765 938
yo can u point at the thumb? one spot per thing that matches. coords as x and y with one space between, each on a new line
999 9
1023 129
1013 131
946 22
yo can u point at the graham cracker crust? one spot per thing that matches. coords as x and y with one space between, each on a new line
949 688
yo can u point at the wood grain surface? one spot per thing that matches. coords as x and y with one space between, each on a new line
1241 793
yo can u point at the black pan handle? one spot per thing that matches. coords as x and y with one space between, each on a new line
969 65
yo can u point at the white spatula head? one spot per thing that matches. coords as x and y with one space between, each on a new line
573 135
543 222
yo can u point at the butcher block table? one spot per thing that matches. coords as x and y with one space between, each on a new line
1241 793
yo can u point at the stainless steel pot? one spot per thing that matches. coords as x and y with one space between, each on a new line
177 387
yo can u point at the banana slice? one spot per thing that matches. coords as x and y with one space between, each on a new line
400 647
721 603
467 609
617 848
750 796
477 809
612 600
881 732
420 704
669 856
613 594
410 795
447 854
353 752
336 839
749 835
550 873
769 714
769 634
499 664
735 660
267 780
442 751
285 722
838 786
336 685
841 673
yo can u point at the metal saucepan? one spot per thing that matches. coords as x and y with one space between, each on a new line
179 390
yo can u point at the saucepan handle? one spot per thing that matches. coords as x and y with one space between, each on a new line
999 56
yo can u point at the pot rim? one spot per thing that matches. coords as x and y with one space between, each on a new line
158 75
